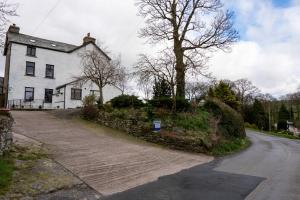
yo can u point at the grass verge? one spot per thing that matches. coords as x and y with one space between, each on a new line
231 146
282 135
6 173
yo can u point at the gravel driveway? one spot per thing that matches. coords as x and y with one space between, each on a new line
105 159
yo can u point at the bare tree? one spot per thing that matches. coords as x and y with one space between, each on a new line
6 10
162 67
192 26
121 81
197 90
146 87
245 90
294 100
98 69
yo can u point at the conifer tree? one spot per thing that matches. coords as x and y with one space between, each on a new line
283 117
224 92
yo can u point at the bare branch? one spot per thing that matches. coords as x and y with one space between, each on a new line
194 27
102 72
7 10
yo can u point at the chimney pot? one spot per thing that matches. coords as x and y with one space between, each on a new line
88 39
14 29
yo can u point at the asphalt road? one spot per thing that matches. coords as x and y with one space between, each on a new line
269 169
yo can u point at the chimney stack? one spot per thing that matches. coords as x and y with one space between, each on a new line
14 29
88 39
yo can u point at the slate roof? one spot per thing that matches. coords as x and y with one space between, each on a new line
43 43
39 42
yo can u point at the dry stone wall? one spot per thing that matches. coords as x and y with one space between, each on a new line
6 137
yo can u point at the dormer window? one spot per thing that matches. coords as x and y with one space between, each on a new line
31 51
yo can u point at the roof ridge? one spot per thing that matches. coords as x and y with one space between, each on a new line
45 39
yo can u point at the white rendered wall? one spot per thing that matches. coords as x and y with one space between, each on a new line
66 67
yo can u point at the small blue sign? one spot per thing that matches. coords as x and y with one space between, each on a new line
156 125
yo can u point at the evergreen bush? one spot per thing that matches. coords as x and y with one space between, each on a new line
231 122
126 101
182 104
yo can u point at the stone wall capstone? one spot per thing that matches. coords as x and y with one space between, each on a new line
6 137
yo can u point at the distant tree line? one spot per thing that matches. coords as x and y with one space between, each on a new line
262 110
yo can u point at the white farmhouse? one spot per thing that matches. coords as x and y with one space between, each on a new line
40 73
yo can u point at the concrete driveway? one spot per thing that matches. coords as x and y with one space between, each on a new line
105 159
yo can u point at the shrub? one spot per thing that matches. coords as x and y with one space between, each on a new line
161 102
108 108
196 122
89 110
282 125
149 111
182 104
126 101
167 103
252 126
89 100
231 122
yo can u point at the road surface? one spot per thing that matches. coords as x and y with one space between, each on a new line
268 170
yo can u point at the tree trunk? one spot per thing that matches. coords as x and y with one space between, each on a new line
173 99
101 96
180 70
179 53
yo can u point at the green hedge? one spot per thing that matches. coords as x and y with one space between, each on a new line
126 101
167 103
231 122
282 125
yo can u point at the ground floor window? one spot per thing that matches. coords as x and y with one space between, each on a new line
76 94
29 93
48 95
94 92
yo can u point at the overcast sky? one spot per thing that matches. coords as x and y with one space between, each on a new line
267 53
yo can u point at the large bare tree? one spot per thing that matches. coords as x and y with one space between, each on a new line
6 10
192 26
100 70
